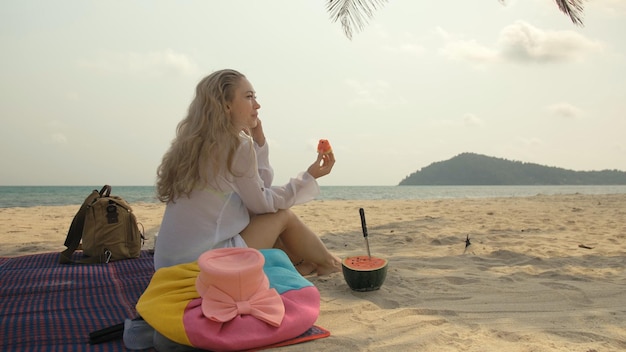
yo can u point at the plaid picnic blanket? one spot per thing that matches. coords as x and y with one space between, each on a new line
46 306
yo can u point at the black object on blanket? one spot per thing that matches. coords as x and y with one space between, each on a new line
111 333
45 306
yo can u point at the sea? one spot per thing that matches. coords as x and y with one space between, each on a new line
30 196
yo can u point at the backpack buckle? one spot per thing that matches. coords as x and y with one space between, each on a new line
107 256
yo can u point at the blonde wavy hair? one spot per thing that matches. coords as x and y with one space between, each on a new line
205 141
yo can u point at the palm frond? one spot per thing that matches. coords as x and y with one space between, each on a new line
572 8
353 14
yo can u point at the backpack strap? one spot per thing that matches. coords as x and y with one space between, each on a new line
75 233
105 191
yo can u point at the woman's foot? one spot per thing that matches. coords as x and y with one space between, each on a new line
333 266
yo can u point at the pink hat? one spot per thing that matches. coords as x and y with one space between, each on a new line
232 282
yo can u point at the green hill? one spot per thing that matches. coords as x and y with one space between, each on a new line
476 169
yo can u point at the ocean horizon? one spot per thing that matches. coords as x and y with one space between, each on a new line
30 196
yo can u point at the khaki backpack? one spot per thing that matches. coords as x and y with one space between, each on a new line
107 227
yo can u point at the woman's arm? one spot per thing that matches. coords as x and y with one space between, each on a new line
265 170
260 197
262 150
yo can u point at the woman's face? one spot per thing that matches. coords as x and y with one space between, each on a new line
244 108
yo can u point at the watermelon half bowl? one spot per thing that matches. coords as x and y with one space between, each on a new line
364 273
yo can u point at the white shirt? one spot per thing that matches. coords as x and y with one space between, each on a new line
209 219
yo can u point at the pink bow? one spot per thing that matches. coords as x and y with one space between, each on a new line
265 305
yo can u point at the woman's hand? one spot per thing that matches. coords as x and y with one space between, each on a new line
322 166
257 133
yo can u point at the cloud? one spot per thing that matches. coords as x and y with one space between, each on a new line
373 94
619 147
405 48
565 110
614 8
58 138
523 144
152 64
471 120
401 44
469 50
467 120
521 43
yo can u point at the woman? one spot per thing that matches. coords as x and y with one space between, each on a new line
217 182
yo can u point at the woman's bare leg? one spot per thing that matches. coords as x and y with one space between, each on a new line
303 267
264 231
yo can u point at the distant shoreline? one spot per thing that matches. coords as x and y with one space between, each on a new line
29 196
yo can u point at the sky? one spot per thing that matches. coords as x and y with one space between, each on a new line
92 91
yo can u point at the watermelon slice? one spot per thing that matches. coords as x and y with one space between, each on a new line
323 147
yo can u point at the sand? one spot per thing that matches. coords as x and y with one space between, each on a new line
525 283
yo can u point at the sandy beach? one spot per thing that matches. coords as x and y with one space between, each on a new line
543 273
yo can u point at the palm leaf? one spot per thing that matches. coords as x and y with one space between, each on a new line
572 8
352 13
